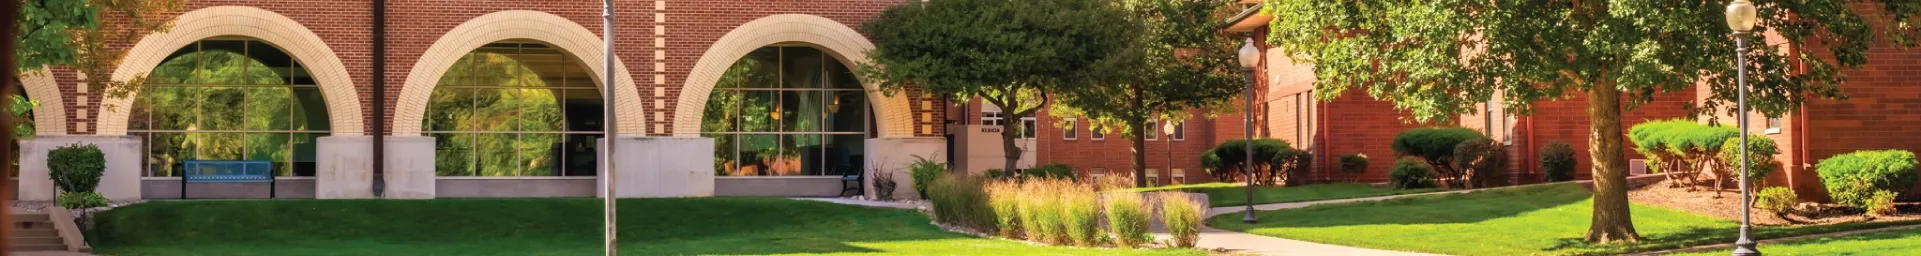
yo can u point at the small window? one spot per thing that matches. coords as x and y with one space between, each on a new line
1097 133
1153 177
1067 129
1179 133
1774 126
1028 127
991 118
1153 129
1180 176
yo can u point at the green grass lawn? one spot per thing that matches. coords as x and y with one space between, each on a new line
1235 194
681 226
1546 219
1898 242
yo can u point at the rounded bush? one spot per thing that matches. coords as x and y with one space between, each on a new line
1852 178
1355 163
1761 152
1776 199
1432 143
1410 173
81 200
77 167
1557 161
1484 160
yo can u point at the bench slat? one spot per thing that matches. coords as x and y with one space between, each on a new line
227 171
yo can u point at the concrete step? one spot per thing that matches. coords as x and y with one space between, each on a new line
35 232
29 218
36 240
38 247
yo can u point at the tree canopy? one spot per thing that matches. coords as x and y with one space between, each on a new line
1011 53
1438 58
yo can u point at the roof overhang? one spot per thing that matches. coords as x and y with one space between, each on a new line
1248 20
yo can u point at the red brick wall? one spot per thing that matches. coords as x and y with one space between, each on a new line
1567 121
1883 111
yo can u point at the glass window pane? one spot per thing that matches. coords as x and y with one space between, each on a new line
801 154
757 111
304 146
165 153
847 111
174 108
309 110
218 146
267 108
844 153
801 111
178 68
496 153
218 111
538 154
583 110
725 153
453 154
537 109
801 68
758 153
581 150
759 69
723 111
271 147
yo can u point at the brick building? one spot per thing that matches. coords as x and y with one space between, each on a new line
437 89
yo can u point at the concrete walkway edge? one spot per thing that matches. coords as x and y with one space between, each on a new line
1711 247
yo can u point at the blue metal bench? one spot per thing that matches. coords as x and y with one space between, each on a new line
202 171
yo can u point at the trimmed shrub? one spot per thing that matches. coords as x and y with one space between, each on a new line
1081 212
1436 147
1127 219
80 200
1679 148
77 167
1557 161
1852 178
1354 165
1292 164
1776 199
1880 203
1049 171
1004 197
924 171
1232 154
1182 217
1212 164
1761 152
1483 161
961 201
1410 173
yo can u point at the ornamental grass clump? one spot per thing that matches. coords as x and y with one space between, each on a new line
1182 217
961 201
1127 219
1040 212
1080 213
1004 197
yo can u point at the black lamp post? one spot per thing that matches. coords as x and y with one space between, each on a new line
1740 16
1249 58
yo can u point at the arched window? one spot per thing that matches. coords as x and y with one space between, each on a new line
787 110
515 109
229 99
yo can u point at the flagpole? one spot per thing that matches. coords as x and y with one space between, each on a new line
607 120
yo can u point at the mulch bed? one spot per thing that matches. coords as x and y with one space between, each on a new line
1701 200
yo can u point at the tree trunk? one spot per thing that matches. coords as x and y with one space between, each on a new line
1140 139
1008 134
8 73
1612 221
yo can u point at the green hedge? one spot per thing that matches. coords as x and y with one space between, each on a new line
1852 178
1679 137
1684 146
1271 157
1483 160
1436 147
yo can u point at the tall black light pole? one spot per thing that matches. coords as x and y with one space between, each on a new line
607 119
1249 58
1740 16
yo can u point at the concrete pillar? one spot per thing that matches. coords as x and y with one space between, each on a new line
661 167
120 182
410 167
344 167
894 154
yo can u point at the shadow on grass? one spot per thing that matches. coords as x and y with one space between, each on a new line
502 226
1427 209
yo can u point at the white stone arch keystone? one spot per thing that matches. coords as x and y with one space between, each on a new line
893 115
554 30
336 85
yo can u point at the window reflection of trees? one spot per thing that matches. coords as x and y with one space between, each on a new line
229 99
786 110
514 109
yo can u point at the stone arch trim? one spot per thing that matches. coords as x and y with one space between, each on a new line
336 84
570 37
893 115
50 118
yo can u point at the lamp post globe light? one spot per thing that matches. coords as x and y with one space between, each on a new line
1740 14
1249 58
